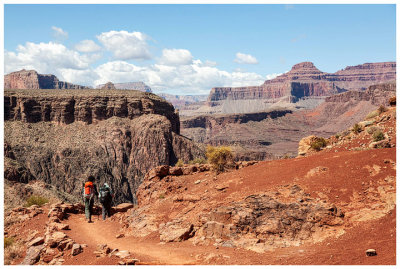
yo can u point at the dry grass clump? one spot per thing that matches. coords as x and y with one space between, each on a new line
219 157
198 161
356 128
378 136
179 163
318 143
36 200
12 250
372 114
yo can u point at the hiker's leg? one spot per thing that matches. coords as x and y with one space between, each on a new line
87 209
91 209
109 209
103 210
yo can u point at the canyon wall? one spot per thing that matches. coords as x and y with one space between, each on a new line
61 138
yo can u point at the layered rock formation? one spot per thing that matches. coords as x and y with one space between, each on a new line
139 86
180 101
62 138
305 80
30 79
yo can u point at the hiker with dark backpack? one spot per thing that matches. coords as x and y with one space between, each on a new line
89 192
105 197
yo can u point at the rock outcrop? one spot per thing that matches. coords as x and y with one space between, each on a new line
305 80
30 79
62 138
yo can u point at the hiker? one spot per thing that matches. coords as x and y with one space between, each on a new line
90 191
105 197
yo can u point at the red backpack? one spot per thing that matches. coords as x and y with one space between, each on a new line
89 189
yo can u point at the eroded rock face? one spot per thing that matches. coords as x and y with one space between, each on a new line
61 139
305 80
138 86
30 79
262 222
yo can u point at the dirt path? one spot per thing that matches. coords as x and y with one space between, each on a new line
104 232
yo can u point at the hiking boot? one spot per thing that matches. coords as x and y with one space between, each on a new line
90 221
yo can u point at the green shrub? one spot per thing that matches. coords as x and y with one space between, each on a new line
337 136
36 200
162 196
382 109
378 136
357 128
372 114
198 160
372 129
179 163
318 143
219 157
8 241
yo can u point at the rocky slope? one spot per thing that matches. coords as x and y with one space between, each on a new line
138 86
30 79
305 80
61 138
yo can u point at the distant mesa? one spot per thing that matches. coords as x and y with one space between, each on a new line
305 80
138 86
30 79
108 86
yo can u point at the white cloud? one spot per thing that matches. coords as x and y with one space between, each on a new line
274 75
195 78
125 45
176 57
59 33
52 58
87 46
242 58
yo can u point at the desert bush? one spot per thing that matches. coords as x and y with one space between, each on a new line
372 114
8 241
12 251
356 128
372 129
161 196
381 109
337 136
318 143
198 161
36 200
219 157
378 135
179 163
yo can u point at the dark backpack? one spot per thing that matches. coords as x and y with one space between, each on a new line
104 194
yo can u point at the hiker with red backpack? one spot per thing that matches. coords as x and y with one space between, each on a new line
105 197
89 192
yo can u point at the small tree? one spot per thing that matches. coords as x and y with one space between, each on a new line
219 157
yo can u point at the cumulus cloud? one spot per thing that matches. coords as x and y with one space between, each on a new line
87 46
59 33
52 58
195 78
242 58
176 57
126 45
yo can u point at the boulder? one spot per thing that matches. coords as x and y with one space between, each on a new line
36 241
159 171
32 255
175 171
123 254
76 249
175 231
305 145
371 252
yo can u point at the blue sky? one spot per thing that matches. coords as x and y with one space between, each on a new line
187 49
